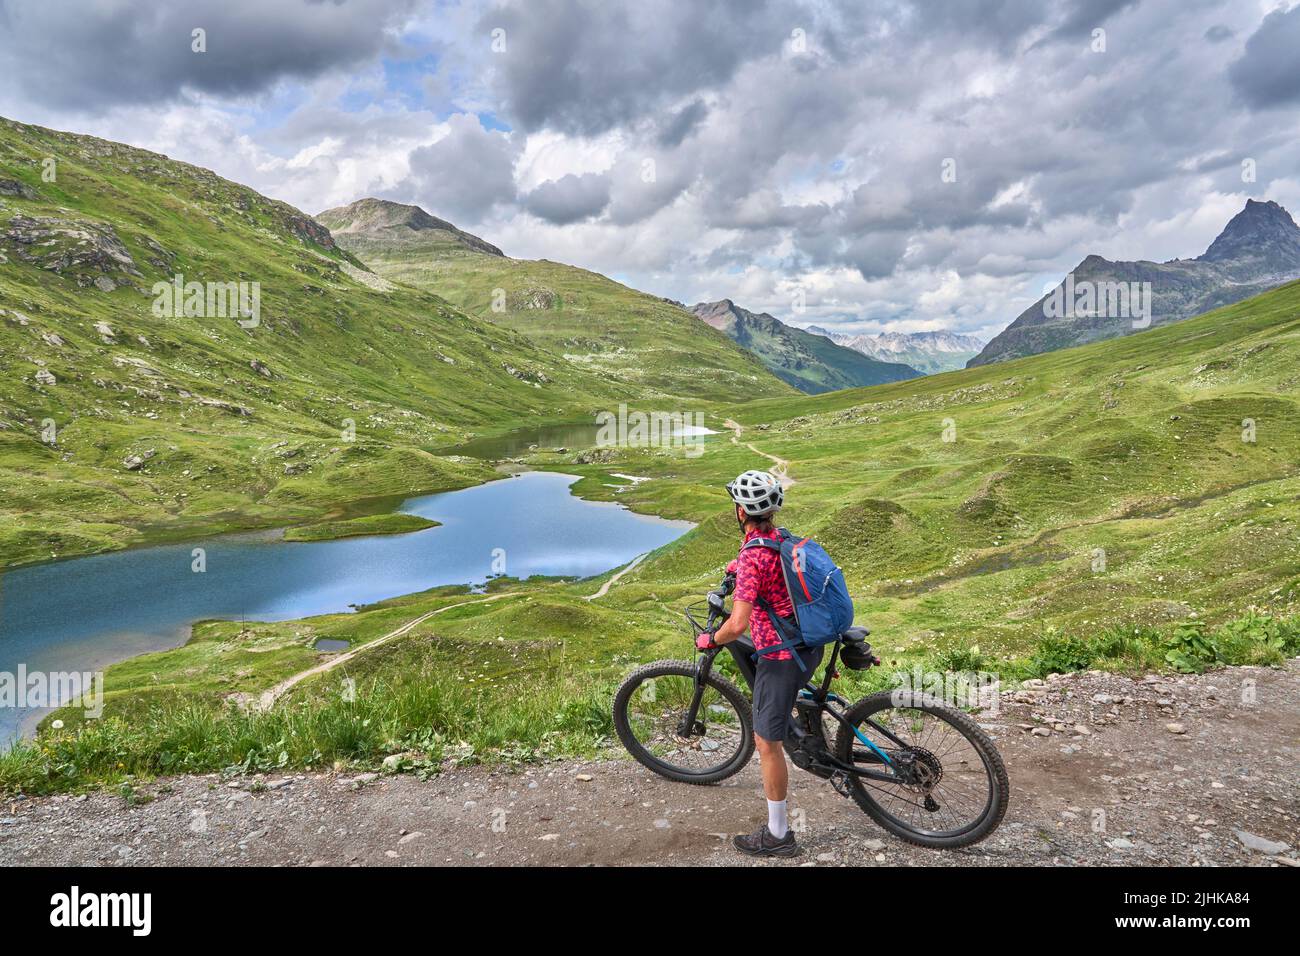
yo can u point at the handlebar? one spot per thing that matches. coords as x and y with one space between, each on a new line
716 601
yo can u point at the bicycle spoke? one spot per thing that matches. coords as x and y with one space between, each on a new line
963 789
655 713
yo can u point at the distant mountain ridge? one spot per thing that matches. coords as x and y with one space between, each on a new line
1258 249
810 362
927 352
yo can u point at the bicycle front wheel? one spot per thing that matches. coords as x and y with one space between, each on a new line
952 786
650 710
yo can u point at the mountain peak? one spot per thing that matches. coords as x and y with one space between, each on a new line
1262 232
383 219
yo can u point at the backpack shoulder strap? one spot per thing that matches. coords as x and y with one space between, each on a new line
790 640
761 543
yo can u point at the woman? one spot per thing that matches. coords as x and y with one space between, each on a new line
757 496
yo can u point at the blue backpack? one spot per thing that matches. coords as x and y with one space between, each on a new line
823 609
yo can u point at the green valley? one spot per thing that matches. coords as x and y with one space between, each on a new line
1128 504
120 425
1099 506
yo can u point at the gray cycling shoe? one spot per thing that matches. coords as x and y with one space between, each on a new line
762 843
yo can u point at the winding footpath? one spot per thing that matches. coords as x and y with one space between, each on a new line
604 588
780 467
268 697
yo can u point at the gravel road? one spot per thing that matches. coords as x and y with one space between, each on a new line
1195 770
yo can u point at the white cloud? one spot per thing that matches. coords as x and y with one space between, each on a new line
700 156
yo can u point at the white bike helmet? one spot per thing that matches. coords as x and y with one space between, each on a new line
757 493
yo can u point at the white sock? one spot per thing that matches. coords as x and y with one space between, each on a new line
776 822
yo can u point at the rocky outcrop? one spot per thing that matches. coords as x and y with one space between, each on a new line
12 187
306 228
88 251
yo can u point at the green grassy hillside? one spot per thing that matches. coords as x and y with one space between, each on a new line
119 425
649 347
1093 507
1108 484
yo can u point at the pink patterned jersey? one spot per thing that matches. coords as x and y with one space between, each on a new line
758 574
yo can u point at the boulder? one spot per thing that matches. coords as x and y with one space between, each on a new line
12 187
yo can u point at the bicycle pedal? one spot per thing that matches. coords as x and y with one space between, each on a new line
840 781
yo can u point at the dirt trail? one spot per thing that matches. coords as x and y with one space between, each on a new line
780 467
268 697
1220 787
604 588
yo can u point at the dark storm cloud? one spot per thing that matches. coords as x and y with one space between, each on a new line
587 66
1268 73
101 53
570 198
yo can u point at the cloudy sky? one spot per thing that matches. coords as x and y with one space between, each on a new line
897 165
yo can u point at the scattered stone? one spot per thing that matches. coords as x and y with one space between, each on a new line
584 777
1176 728
1260 844
45 377
136 462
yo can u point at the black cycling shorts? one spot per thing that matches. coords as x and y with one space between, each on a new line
776 685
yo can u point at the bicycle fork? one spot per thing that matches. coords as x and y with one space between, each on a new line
690 719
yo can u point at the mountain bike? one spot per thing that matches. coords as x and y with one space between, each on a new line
921 769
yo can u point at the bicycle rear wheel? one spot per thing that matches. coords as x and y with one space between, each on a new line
954 787
649 709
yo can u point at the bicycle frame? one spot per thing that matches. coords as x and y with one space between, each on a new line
742 653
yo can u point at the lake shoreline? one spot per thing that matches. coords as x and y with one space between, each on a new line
211 526
129 611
